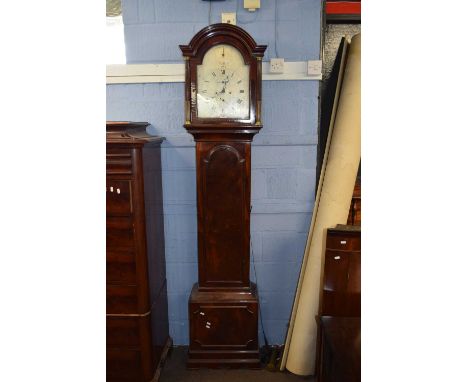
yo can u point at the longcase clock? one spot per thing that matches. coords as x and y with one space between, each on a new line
223 75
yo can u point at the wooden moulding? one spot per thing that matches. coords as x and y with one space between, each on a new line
129 133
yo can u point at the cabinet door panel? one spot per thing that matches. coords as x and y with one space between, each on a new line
335 282
342 284
224 327
336 271
223 197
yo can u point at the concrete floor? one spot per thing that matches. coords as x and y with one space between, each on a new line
174 371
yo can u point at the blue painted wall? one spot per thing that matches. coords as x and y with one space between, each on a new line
283 153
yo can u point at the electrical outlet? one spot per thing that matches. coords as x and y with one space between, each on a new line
277 65
314 67
228 18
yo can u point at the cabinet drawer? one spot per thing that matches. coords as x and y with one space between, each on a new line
119 234
346 243
120 268
129 331
122 331
119 162
221 327
121 299
123 365
118 197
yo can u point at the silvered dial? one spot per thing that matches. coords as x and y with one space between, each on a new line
223 84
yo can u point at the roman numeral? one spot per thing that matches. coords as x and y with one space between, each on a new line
242 90
239 81
214 74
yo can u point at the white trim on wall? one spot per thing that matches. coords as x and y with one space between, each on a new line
147 73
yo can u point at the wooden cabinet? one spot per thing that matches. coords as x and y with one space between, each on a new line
341 292
339 334
137 328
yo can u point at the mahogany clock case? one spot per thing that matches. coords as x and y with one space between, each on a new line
223 305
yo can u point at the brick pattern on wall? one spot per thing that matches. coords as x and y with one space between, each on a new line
175 22
283 153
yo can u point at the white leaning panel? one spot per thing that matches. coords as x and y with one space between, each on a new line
332 206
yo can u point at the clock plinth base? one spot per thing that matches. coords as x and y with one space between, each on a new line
223 329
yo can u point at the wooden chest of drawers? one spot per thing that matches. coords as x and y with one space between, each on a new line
136 297
341 293
338 341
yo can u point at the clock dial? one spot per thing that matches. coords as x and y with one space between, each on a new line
223 84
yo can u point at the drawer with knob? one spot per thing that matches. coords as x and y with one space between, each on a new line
118 197
344 242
